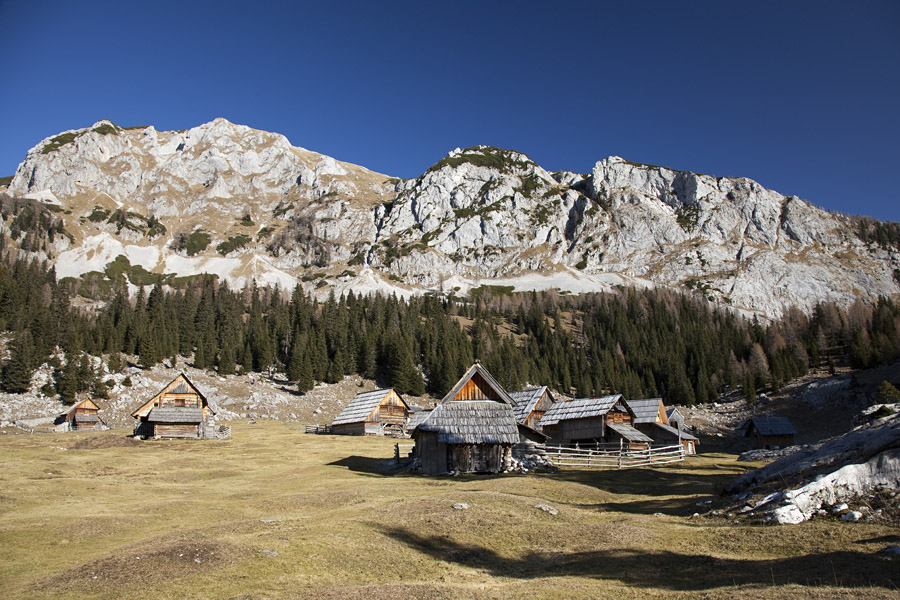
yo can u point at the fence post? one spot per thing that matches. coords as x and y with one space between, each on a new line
619 459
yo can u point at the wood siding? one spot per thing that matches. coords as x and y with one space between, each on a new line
565 432
391 411
176 430
477 389
540 408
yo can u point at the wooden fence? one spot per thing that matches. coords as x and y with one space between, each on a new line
318 429
605 456
402 451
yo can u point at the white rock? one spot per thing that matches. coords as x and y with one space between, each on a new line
853 516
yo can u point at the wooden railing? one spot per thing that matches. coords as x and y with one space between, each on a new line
605 456
318 429
402 451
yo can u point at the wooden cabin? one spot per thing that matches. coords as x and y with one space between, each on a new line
378 412
472 430
80 416
178 411
769 433
531 405
652 419
586 421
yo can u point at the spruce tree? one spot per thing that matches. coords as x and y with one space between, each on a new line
18 371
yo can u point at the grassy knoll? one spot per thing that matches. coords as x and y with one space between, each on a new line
274 513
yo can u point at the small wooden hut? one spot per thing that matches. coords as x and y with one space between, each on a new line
179 410
472 430
676 419
652 419
378 412
531 405
591 420
769 433
80 416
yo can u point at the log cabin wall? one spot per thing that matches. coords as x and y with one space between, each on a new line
177 430
431 453
391 411
576 429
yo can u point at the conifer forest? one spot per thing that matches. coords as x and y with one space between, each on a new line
638 342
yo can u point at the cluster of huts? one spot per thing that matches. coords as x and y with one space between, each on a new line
477 425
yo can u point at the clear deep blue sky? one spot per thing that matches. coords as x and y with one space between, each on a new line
801 96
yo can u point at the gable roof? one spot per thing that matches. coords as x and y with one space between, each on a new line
580 408
76 406
488 378
363 405
473 421
180 385
645 410
416 418
770 426
526 400
672 412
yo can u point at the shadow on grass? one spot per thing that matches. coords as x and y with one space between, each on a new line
662 569
369 465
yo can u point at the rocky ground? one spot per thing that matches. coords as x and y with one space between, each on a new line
236 397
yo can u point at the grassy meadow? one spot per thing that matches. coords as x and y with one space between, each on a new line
275 513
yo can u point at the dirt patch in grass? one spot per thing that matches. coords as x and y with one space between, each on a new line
143 565
106 441
380 592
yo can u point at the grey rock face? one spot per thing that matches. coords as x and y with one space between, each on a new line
478 215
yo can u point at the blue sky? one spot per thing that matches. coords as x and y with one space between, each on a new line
800 96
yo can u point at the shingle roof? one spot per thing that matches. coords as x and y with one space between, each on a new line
472 422
684 434
579 409
646 410
771 426
672 412
416 418
361 407
526 400
82 418
629 433
175 414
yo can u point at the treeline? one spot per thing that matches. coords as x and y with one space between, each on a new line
641 343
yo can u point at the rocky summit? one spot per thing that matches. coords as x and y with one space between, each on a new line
247 206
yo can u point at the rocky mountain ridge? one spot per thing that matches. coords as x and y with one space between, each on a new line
247 205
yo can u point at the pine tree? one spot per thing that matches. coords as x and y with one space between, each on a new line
305 380
18 371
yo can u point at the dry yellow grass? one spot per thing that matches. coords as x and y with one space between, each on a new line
274 513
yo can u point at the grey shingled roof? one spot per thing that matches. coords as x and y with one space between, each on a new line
473 422
175 414
580 408
361 407
772 426
525 401
82 418
646 410
684 434
670 414
416 418
629 433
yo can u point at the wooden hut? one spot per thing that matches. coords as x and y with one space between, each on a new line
652 419
531 405
590 420
472 430
179 410
80 416
378 412
676 419
769 433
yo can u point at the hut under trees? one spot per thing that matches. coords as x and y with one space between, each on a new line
652 419
472 430
531 405
378 412
79 417
585 421
769 433
178 411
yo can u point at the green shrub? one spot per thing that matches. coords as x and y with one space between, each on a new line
233 243
98 215
193 243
